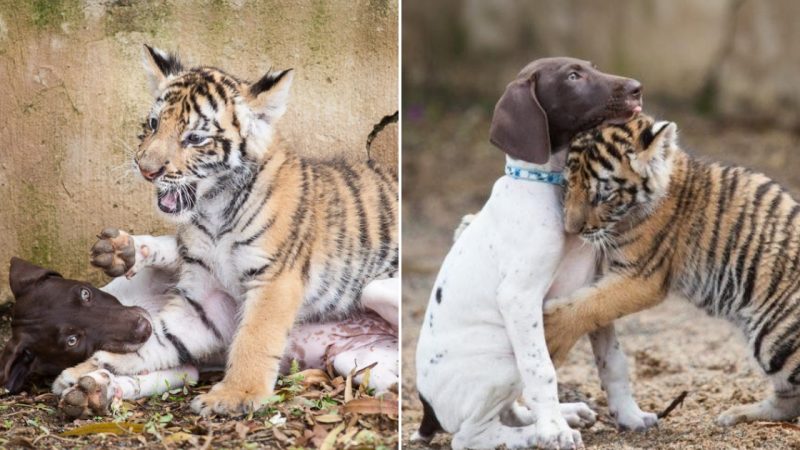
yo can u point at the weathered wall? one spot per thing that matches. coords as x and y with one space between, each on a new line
74 93
732 58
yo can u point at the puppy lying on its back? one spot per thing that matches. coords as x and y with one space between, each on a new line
59 323
726 238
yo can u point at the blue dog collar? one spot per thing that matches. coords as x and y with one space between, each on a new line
541 176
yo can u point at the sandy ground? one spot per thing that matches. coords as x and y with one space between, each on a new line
448 169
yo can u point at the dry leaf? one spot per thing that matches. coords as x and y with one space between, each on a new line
181 437
348 388
369 405
330 440
241 430
105 427
328 418
279 435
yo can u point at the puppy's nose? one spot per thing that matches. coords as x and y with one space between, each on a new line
142 330
151 175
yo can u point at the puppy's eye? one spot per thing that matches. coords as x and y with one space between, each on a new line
573 76
153 123
194 139
72 340
86 294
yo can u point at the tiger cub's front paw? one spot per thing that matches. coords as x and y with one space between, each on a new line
114 252
562 328
227 401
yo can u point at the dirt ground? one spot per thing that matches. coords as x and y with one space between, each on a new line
448 170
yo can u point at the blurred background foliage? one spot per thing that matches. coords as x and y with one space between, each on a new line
728 58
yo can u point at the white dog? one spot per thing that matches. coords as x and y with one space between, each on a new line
482 346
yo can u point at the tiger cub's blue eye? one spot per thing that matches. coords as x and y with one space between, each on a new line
194 138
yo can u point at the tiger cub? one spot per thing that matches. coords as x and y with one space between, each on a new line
291 239
726 238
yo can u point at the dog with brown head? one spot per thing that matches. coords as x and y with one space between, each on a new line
553 99
58 323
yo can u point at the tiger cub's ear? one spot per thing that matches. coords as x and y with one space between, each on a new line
268 96
656 144
160 66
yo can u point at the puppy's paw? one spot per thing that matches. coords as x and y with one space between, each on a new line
225 401
89 397
65 380
578 414
556 434
631 418
114 252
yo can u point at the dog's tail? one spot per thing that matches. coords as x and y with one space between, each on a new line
430 424
465 221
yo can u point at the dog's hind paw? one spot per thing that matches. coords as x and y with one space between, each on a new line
578 414
114 252
89 397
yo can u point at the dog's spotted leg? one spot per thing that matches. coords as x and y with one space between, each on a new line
522 316
613 369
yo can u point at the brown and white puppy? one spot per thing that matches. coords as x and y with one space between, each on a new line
483 326
58 323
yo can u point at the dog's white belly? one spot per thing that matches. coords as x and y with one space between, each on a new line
465 362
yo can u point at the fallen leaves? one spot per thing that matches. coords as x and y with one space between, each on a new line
310 409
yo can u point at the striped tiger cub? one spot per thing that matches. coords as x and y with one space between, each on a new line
291 239
726 238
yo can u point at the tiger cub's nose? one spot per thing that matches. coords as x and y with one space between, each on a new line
151 175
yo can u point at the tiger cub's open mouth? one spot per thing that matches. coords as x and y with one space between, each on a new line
173 199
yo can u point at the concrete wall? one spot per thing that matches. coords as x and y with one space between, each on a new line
74 93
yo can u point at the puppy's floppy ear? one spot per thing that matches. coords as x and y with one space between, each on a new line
22 275
15 362
519 124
